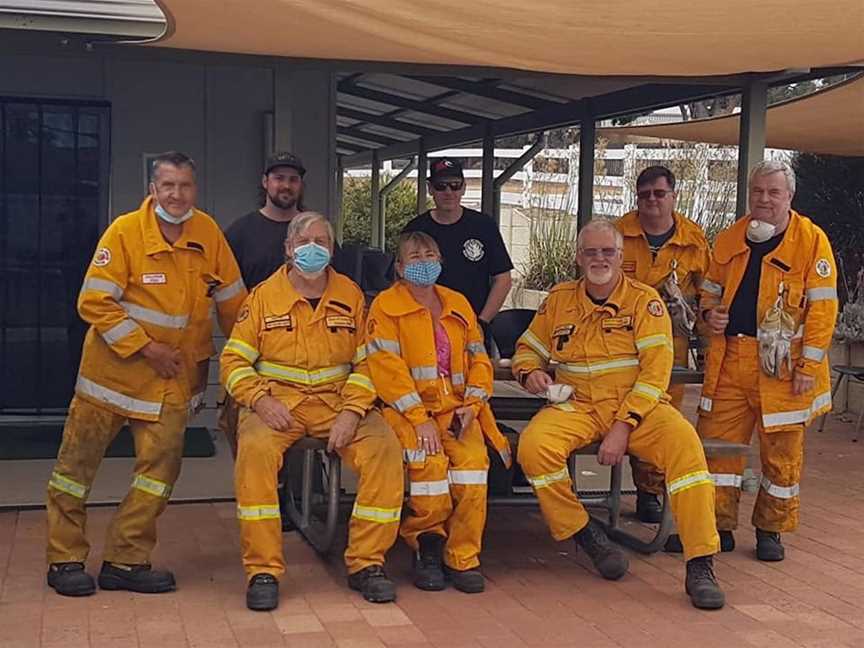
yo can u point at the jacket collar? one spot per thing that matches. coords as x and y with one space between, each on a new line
613 304
785 252
398 301
629 226
154 242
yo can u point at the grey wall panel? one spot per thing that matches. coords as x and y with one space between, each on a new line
155 107
47 76
237 100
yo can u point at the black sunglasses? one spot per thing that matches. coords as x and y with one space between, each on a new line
455 185
658 193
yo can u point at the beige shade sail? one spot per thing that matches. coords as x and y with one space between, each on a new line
829 122
617 37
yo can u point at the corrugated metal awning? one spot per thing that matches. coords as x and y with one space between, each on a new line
125 18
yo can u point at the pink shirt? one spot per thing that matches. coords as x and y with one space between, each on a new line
442 349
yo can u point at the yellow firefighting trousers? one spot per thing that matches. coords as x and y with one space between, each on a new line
649 478
374 453
447 495
88 432
664 439
735 411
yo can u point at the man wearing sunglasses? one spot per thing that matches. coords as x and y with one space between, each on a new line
669 252
475 260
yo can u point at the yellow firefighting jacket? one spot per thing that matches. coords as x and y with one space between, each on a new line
138 289
282 347
804 263
617 356
688 247
403 364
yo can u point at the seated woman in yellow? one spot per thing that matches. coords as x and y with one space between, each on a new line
429 366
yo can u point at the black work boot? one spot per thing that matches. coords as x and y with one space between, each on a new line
428 563
70 579
727 543
262 593
373 583
470 581
136 578
608 560
701 584
768 546
648 508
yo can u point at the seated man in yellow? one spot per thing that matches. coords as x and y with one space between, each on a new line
296 364
611 338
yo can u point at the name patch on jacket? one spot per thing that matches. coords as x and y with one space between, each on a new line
628 266
609 323
563 333
340 321
278 321
154 278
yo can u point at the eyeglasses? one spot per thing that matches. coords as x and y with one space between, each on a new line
455 185
593 253
658 193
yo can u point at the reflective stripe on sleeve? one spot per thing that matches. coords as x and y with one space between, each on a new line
102 285
821 294
651 341
229 291
379 344
424 373
120 331
475 348
476 392
406 402
534 342
652 392
237 375
468 477
712 287
241 348
155 317
430 488
359 380
813 353
359 355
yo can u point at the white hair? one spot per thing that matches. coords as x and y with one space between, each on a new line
767 167
600 225
303 221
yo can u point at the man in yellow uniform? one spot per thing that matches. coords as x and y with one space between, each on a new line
296 364
147 296
611 340
669 252
770 303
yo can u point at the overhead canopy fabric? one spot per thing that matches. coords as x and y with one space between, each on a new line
829 122
621 37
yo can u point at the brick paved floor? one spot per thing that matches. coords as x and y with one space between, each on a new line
539 592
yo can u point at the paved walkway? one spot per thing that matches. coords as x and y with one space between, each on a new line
540 593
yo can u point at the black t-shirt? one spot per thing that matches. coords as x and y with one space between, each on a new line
473 252
742 311
258 244
657 241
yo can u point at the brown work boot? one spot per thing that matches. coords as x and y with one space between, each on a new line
607 559
70 579
702 586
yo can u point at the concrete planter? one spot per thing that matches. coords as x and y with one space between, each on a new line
525 298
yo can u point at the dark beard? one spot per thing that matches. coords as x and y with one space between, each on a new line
283 204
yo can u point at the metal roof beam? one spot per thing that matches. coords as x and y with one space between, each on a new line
385 120
487 89
356 133
410 104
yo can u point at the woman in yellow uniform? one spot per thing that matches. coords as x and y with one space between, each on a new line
429 366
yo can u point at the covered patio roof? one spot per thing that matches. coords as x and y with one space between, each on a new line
670 38
829 122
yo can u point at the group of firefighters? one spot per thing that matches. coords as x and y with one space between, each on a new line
401 391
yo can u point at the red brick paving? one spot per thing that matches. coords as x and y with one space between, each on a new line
539 592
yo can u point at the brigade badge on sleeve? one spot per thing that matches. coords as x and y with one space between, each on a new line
243 314
655 308
823 268
102 257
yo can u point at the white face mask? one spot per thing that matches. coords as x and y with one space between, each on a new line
759 231
168 218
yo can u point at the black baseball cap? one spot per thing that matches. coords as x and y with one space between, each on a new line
284 159
445 168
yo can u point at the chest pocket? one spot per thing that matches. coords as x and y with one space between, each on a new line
341 333
562 338
279 339
618 335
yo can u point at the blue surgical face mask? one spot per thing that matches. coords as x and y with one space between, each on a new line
168 218
423 273
311 258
